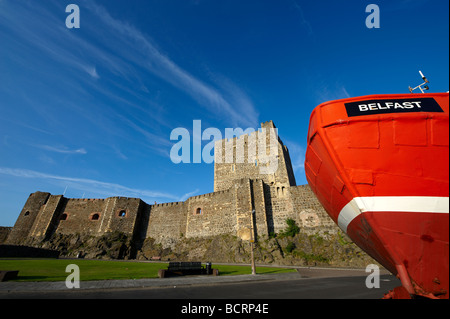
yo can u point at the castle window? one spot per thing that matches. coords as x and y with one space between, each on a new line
122 213
198 211
63 217
95 216
27 213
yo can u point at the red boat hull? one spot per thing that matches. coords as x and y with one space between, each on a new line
380 167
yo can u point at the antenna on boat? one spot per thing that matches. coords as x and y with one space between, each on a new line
420 86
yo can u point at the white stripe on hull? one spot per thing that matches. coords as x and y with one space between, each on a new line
413 204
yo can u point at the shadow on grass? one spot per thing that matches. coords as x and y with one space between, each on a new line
229 272
33 278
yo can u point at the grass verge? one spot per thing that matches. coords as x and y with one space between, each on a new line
55 269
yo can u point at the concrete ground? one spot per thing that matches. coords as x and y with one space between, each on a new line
306 283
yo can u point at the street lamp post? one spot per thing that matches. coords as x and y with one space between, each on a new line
251 244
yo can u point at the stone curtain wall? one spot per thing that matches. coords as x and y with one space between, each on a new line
45 214
211 214
224 212
309 213
166 222
239 189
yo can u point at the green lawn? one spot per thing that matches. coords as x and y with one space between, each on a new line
54 269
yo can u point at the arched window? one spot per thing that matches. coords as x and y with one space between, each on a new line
122 213
27 213
95 216
198 211
63 217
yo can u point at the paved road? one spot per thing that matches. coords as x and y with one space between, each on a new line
317 288
314 283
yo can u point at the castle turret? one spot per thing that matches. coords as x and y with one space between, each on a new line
27 217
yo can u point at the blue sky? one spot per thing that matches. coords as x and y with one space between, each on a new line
89 111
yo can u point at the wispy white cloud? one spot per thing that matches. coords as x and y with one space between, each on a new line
122 57
46 159
102 74
62 149
47 36
187 195
118 152
135 46
237 97
327 92
91 186
92 71
305 23
28 126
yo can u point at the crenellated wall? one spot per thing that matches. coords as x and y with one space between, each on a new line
247 202
211 214
166 222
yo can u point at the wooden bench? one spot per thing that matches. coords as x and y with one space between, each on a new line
8 274
187 268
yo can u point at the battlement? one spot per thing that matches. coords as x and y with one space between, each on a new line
245 193
253 156
170 204
87 199
268 124
209 195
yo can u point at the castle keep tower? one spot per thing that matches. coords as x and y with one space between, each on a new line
254 193
258 155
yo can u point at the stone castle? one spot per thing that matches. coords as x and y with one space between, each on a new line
247 202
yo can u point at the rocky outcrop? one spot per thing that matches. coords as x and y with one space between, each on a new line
113 245
4 232
299 250
296 249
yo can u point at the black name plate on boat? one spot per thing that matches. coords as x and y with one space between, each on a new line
372 107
